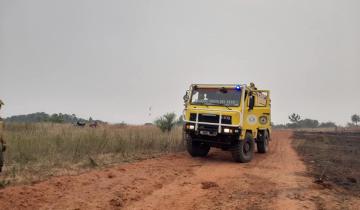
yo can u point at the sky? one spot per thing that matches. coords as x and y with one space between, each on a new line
112 60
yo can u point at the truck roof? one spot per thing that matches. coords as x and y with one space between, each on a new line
218 85
223 85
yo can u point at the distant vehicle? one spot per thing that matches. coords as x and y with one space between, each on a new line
93 124
80 123
230 117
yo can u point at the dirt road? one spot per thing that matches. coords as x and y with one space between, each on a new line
277 180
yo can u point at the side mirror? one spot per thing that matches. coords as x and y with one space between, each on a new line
186 97
251 102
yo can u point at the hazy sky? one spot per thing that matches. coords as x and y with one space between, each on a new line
112 60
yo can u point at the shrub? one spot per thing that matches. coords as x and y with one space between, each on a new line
166 122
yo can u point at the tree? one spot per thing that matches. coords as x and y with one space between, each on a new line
166 122
56 118
294 118
355 119
308 123
180 120
327 125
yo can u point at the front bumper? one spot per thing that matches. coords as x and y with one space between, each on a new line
212 137
219 125
211 130
209 134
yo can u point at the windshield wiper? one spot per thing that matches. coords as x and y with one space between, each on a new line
227 107
213 104
222 105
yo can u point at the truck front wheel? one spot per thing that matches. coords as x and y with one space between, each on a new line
196 148
244 149
263 142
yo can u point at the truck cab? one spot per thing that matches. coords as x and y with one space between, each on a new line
233 117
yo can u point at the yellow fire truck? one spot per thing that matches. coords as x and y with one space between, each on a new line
231 117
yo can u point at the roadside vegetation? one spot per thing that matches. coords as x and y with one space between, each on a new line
38 150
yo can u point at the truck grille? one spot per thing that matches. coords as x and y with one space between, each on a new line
211 118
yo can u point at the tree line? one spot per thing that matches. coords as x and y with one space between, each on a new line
169 120
296 121
44 117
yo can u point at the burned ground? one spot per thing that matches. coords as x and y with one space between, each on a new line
332 158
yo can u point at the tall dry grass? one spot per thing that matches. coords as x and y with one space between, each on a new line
39 150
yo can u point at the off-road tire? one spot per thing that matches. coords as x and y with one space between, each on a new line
243 151
196 148
263 142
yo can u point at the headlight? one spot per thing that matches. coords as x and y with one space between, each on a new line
190 127
227 130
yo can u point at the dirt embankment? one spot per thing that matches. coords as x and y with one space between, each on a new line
277 180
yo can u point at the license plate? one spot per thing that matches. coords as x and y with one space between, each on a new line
208 133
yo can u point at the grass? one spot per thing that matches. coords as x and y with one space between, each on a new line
37 151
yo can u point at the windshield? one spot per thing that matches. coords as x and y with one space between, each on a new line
216 96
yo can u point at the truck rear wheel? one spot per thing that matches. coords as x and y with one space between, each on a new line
262 142
196 148
243 151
